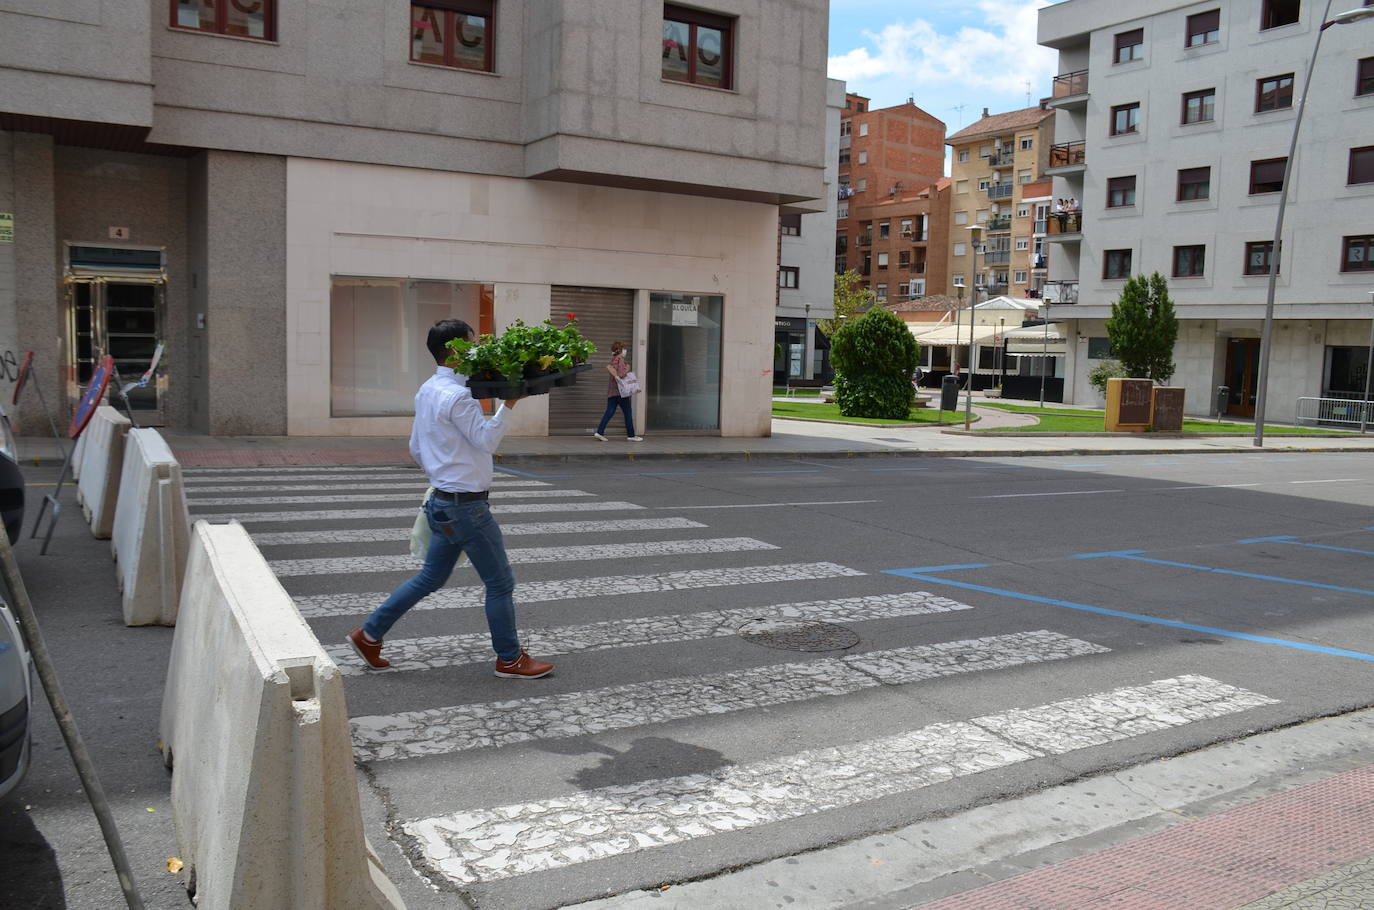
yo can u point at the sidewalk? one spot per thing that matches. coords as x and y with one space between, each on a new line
1278 820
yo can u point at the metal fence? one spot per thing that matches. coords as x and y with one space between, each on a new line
1341 411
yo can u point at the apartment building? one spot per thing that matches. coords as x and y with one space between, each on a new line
286 195
894 240
1174 123
997 167
806 282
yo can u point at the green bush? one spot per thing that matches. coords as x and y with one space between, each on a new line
875 357
1107 369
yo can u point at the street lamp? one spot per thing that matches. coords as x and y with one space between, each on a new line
1045 355
1368 368
807 341
976 230
1266 338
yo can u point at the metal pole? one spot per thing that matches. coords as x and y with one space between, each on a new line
1368 368
968 397
1045 354
1267 336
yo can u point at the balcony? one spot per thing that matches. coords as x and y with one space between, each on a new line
1066 228
863 240
997 257
1060 292
1067 158
1000 223
1070 90
1000 190
1002 158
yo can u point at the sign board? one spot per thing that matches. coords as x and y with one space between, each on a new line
1128 404
95 393
685 313
6 227
1167 410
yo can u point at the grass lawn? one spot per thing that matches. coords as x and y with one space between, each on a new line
818 411
1062 420
780 391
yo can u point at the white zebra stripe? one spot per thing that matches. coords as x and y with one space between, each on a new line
301 469
408 513
436 651
357 565
366 497
512 529
317 605
440 731
353 483
505 841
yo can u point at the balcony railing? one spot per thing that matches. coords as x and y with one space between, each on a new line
1000 190
863 240
1067 154
1002 158
1067 85
1070 223
1000 223
1041 226
997 257
1060 292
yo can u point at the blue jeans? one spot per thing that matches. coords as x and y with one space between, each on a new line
611 404
459 527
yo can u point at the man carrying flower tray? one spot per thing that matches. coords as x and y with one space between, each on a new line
453 441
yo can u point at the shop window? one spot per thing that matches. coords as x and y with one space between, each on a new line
1200 106
1125 119
1194 183
1189 261
1204 28
1257 256
1266 176
1130 46
1116 264
697 47
1273 93
1357 253
682 379
240 18
456 33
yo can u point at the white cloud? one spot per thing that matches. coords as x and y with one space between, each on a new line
916 58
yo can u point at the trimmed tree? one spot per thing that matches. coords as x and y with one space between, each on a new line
1143 328
875 357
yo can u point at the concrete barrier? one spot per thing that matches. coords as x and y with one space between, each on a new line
102 461
255 729
151 531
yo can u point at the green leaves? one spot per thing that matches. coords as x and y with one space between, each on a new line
1143 328
541 348
874 356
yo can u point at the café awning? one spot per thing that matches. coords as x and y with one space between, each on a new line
947 335
1033 339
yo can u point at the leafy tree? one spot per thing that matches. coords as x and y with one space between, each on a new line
1143 328
874 356
1107 369
851 297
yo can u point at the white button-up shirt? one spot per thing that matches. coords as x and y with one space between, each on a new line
452 440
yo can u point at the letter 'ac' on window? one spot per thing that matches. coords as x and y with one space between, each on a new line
456 33
698 47
240 18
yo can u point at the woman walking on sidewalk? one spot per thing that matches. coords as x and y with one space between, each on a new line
618 367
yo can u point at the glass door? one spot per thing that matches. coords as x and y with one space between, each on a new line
1242 375
122 317
683 381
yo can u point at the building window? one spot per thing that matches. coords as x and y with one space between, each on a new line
1361 165
1023 211
1266 176
257 19
961 186
697 47
841 243
1364 76
880 291
882 260
842 211
1120 192
455 33
1100 349
1204 28
1022 243
1125 118
788 276
1273 93
1189 260
1019 276
1200 106
1130 46
790 225
1257 257
844 156
981 216
863 129
1025 176
884 230
960 249
1027 143
1116 264
1358 253
863 184
904 259
1194 183
906 229
1279 12
863 157
963 154
845 126
961 217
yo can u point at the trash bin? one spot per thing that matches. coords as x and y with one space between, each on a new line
1223 398
949 393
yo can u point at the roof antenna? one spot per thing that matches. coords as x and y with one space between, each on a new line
960 109
1028 86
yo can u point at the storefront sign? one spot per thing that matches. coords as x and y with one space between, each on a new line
685 313
6 227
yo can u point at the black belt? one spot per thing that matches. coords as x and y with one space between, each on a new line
460 497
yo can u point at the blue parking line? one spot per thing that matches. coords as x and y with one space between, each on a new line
1293 541
921 574
1134 554
897 469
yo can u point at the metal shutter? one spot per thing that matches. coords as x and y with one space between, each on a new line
605 315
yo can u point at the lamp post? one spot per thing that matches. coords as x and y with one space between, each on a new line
976 230
807 341
1267 336
1045 354
1368 368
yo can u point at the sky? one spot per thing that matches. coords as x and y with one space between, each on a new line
953 57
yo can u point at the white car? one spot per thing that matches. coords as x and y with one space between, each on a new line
16 698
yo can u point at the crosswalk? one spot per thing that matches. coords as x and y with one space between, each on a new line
789 687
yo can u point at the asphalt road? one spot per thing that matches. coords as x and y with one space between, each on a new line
754 659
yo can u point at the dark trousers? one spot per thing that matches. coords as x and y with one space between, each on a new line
612 403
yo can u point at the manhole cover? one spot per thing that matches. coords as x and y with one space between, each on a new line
791 635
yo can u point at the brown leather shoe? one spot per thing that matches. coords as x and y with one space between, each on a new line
369 652
523 667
